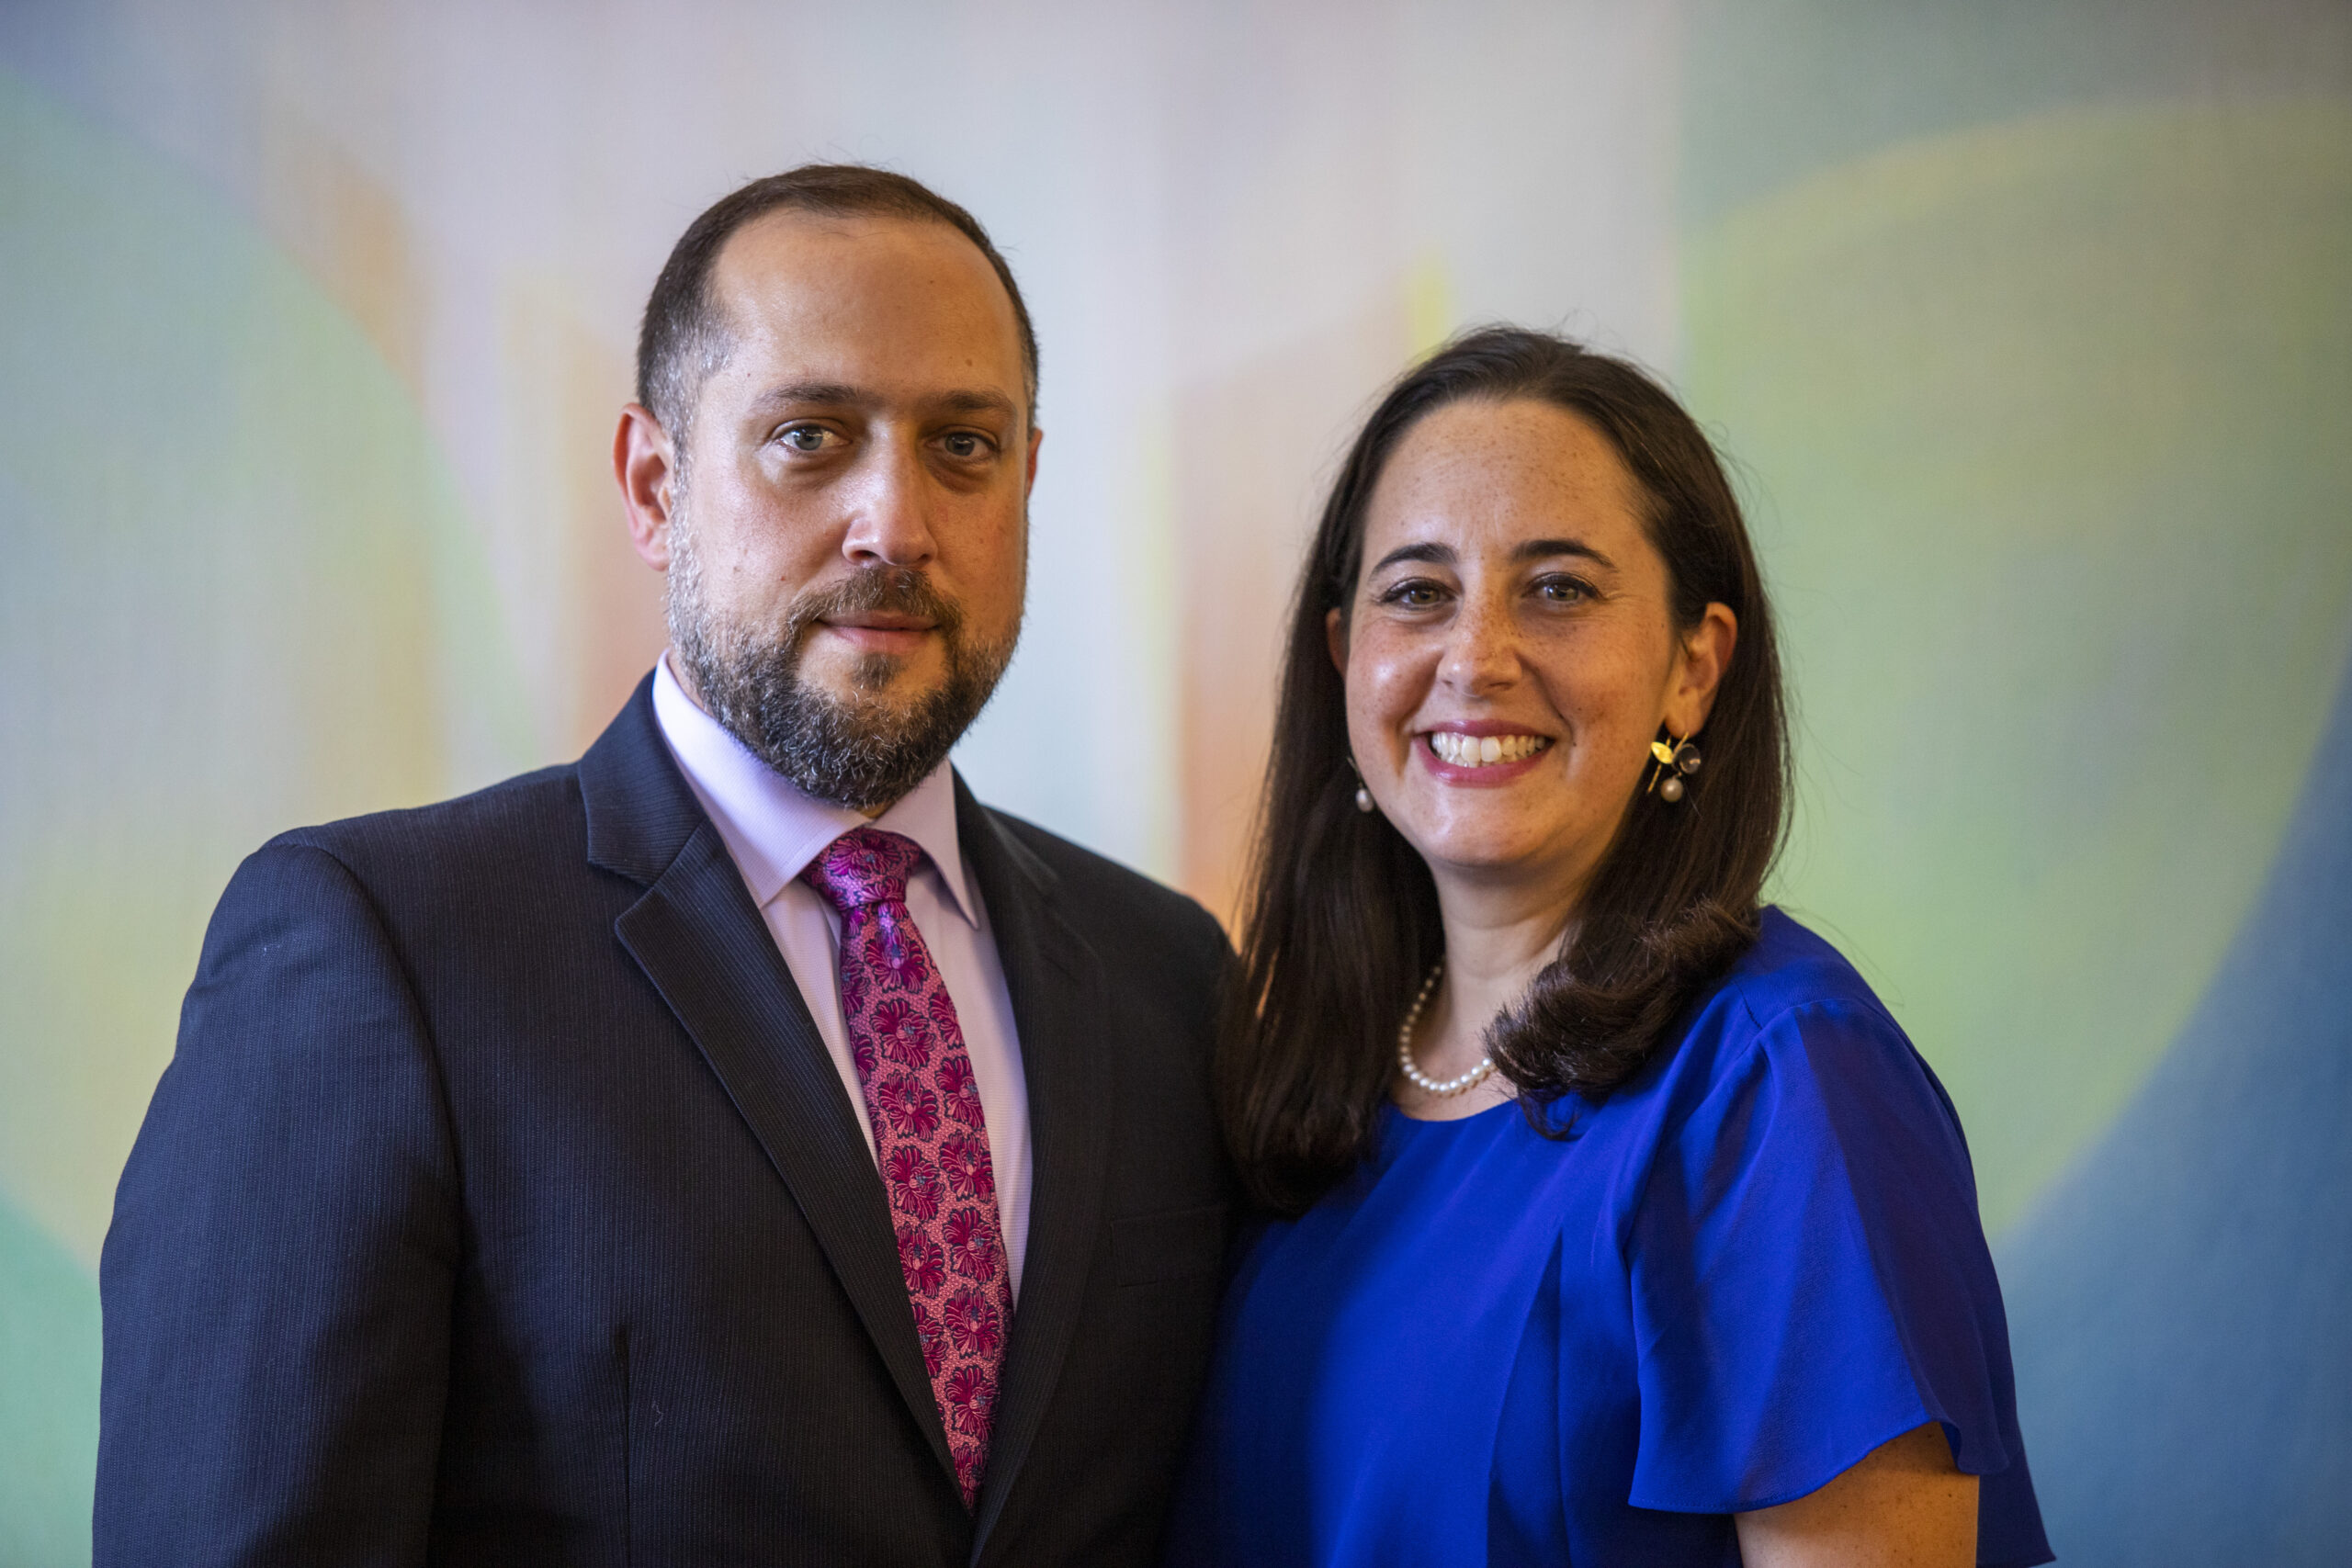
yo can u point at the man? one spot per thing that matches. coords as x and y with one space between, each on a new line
740 1145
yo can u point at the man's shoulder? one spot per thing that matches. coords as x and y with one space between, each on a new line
478 837
1109 897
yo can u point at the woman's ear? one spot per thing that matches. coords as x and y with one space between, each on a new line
1702 655
1335 637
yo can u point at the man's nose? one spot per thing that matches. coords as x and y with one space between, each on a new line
890 500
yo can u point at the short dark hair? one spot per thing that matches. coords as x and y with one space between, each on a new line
683 340
1341 921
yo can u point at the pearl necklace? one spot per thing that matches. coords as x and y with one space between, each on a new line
1442 1088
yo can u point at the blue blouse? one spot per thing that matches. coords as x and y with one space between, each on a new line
1757 1261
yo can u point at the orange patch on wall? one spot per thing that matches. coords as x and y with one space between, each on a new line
1278 427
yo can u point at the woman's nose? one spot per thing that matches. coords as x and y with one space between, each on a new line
1481 649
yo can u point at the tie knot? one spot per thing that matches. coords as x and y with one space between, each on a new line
865 865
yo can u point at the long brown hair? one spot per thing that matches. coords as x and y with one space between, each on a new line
1341 917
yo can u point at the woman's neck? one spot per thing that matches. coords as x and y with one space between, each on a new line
1500 930
1497 940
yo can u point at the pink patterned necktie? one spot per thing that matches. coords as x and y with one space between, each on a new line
928 1134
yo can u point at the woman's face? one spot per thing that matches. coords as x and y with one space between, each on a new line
1510 652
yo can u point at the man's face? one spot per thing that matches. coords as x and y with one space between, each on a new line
847 522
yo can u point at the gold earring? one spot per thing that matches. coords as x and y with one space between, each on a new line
1672 761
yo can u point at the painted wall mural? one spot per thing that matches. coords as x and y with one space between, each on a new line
2028 328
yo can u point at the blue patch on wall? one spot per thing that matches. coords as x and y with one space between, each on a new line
2180 1304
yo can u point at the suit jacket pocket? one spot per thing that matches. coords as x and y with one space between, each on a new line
1170 1244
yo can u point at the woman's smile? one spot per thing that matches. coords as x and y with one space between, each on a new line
1481 755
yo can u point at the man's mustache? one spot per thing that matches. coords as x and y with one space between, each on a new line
896 589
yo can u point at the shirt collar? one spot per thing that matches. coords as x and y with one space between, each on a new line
770 826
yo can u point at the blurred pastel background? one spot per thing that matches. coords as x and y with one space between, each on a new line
2028 328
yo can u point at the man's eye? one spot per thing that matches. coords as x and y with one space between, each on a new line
806 437
964 443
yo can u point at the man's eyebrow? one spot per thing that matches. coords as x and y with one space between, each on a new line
980 401
1536 549
834 393
841 394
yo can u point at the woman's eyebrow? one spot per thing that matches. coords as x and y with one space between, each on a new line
1535 550
1435 554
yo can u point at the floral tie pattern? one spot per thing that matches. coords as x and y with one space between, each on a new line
928 1134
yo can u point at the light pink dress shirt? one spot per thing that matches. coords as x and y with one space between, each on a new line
773 831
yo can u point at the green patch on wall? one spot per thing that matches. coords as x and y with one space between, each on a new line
49 1389
2047 431
242 595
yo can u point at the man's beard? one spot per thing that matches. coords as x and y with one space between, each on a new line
861 751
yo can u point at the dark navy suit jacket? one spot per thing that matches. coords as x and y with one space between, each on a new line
501 1205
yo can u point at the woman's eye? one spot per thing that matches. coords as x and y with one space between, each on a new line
1564 589
1413 593
806 437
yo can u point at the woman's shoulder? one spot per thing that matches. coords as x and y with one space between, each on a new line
1790 974
1792 1066
1791 966
1793 1003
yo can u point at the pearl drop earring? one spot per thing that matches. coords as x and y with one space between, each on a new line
1672 762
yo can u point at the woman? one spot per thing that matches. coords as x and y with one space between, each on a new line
1614 1220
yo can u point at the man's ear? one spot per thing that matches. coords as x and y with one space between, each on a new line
1702 657
646 464
1335 637
1029 483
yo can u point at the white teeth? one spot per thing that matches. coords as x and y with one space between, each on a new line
1484 750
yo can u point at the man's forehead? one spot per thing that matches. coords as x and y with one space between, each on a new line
808 280
787 253
784 231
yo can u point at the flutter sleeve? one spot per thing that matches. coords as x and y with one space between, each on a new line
1810 1279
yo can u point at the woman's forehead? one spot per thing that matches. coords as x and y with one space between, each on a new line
1486 479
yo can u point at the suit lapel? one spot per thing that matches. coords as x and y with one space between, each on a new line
701 940
1055 986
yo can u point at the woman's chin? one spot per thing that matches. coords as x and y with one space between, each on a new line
1511 849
